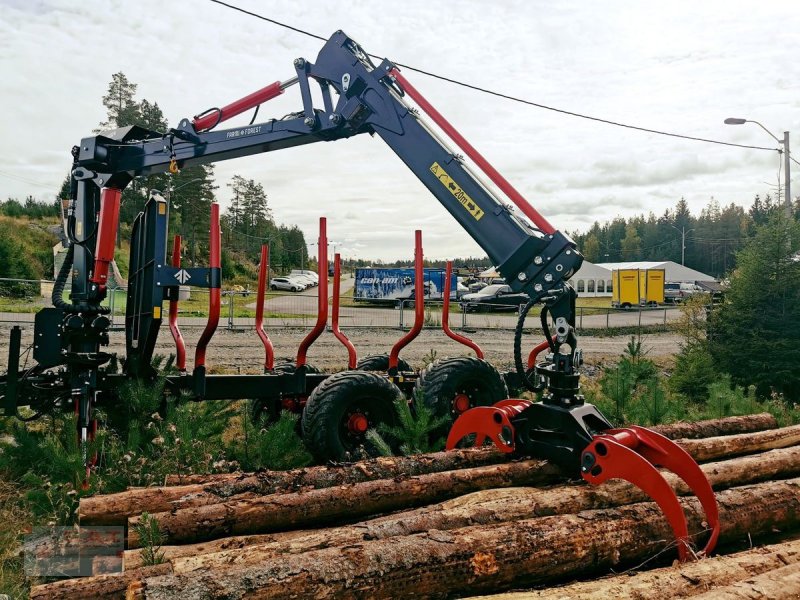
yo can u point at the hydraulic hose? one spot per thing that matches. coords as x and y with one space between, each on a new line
518 364
61 281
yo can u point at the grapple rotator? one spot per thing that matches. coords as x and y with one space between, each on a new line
574 434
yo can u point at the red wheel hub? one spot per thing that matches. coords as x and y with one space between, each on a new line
357 423
461 403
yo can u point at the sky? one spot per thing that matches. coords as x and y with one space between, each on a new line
677 66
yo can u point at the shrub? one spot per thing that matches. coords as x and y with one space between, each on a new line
694 372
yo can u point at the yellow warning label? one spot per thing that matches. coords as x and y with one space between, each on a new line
156 312
162 208
457 192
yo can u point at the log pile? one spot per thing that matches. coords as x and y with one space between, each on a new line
458 524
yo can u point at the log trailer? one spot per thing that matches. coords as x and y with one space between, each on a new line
358 96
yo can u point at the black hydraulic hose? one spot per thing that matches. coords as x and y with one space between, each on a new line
546 328
61 280
518 364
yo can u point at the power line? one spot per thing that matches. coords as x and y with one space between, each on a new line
22 179
502 95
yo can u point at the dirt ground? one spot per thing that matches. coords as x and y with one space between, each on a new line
241 351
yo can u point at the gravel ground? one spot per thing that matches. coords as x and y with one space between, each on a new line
241 351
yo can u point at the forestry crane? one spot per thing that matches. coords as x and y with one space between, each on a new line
358 96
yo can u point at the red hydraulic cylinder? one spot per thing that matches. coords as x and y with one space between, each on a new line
106 235
216 116
352 358
180 346
500 181
446 315
263 273
322 295
419 306
215 260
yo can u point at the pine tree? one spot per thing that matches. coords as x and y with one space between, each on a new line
120 103
591 248
756 333
631 244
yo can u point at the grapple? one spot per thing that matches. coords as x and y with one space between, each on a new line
579 437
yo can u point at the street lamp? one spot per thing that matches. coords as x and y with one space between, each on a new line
787 156
683 231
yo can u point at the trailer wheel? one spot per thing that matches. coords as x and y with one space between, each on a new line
380 362
267 410
342 409
451 386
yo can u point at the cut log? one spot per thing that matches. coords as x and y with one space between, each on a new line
490 506
779 584
737 445
255 514
483 558
689 579
717 427
101 586
133 559
278 512
698 429
114 509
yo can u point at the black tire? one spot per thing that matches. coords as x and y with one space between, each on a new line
380 363
273 287
332 405
266 411
443 381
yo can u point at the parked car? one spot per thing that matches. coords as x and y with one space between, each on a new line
677 292
493 297
304 279
312 276
286 283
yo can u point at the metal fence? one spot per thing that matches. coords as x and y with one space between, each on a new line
20 299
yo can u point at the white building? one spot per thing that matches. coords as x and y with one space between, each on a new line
595 279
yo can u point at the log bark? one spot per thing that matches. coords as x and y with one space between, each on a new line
698 429
101 586
487 507
114 509
258 514
682 581
438 564
775 585
746 443
278 512
717 427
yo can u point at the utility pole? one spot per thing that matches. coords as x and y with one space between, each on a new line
787 158
788 185
683 231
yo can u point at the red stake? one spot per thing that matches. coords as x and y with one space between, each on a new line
352 358
180 346
536 351
500 181
263 272
446 315
215 260
419 306
322 295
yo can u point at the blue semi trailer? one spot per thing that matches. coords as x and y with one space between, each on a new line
398 284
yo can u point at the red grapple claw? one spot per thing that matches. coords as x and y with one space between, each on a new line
493 422
633 454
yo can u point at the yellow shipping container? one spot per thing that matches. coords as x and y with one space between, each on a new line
625 292
637 287
655 286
